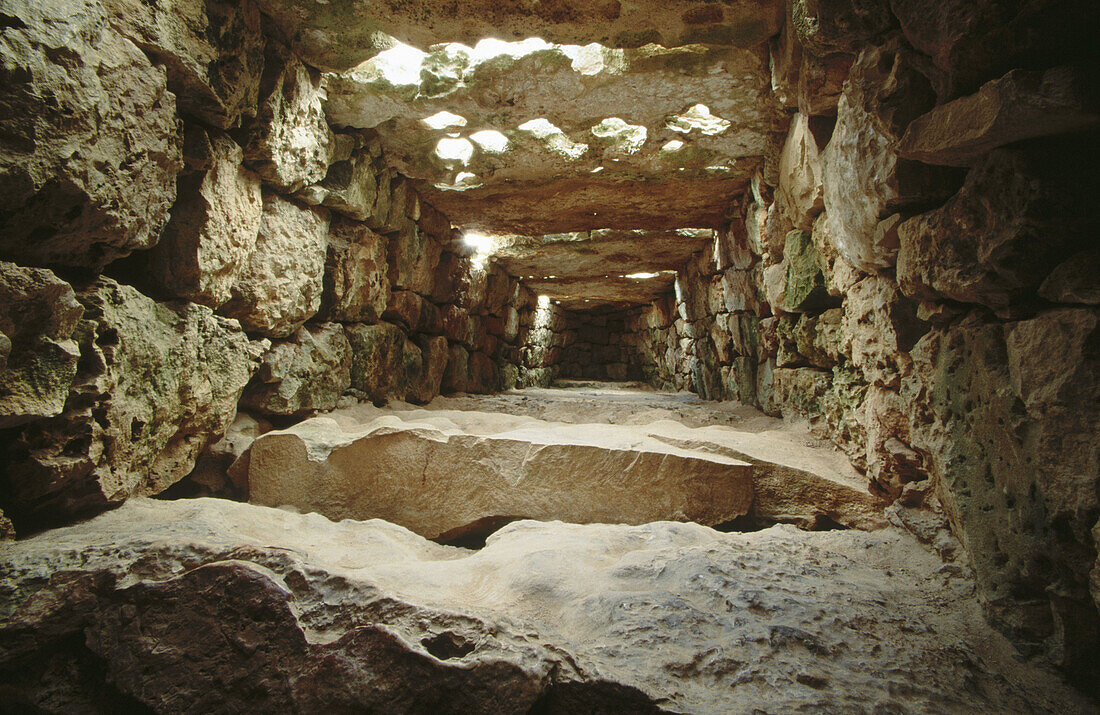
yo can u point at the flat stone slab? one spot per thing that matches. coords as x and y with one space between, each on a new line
208 605
438 480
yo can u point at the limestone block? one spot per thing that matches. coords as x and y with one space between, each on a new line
213 52
427 381
891 460
456 376
291 143
356 284
39 315
800 192
804 283
1020 105
775 286
863 177
157 383
89 175
413 258
377 360
1074 281
412 311
280 288
821 82
309 371
589 474
1017 469
351 187
828 26
970 41
1019 214
214 222
840 275
880 328
484 374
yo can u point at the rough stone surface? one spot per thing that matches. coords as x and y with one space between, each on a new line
310 371
213 52
291 143
280 288
593 473
800 192
1017 217
157 383
863 177
39 315
880 328
1074 281
804 288
973 41
89 174
825 27
340 35
356 284
214 222
1021 105
367 616
1009 429
377 360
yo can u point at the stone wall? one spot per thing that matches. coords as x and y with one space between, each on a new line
213 243
917 277
599 346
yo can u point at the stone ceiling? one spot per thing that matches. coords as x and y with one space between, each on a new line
587 269
657 123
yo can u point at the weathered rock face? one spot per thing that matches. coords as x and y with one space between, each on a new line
213 52
1011 439
89 175
39 315
804 283
308 372
280 287
436 480
863 177
157 382
356 284
377 353
825 27
800 192
549 616
291 143
1021 105
1017 217
880 328
214 222
340 35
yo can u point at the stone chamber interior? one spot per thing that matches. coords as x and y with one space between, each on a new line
549 356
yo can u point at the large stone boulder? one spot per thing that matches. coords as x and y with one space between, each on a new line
291 143
1021 105
377 360
863 178
87 175
214 222
213 51
970 41
157 382
356 282
39 315
280 287
1020 213
804 283
440 480
880 328
548 616
800 193
310 371
1006 416
825 27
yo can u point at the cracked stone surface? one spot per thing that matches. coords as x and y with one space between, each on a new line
164 603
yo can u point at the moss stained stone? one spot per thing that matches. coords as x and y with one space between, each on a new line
805 282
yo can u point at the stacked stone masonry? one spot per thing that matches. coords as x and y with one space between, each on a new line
192 249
